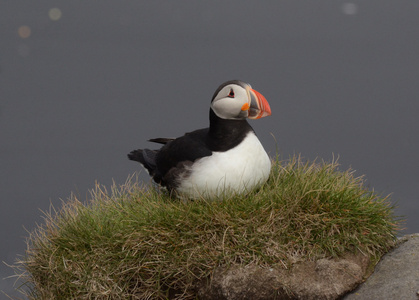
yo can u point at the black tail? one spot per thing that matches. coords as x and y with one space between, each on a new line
146 157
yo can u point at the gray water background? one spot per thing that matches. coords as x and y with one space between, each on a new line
85 88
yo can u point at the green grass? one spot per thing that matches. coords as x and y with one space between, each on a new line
137 243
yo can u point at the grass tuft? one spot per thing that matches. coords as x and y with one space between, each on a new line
134 242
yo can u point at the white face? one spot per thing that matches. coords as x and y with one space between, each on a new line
231 102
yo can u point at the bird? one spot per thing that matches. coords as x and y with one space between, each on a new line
225 158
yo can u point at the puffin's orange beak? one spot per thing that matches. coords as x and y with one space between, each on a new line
259 107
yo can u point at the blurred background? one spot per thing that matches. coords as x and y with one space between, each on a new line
82 83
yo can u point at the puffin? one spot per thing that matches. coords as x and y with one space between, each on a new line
225 158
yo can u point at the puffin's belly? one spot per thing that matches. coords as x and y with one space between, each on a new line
237 170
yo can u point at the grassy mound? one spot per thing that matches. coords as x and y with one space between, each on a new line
136 243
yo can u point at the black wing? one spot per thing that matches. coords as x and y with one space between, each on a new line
187 148
172 161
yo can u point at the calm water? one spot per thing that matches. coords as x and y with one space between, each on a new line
82 84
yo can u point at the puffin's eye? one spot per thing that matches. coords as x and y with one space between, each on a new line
231 94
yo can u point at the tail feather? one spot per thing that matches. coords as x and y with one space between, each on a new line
163 141
146 157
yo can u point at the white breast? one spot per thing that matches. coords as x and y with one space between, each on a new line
238 170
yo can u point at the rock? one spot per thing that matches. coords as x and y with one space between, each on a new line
321 279
244 282
396 276
326 278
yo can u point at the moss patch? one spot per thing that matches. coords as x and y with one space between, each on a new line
136 242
